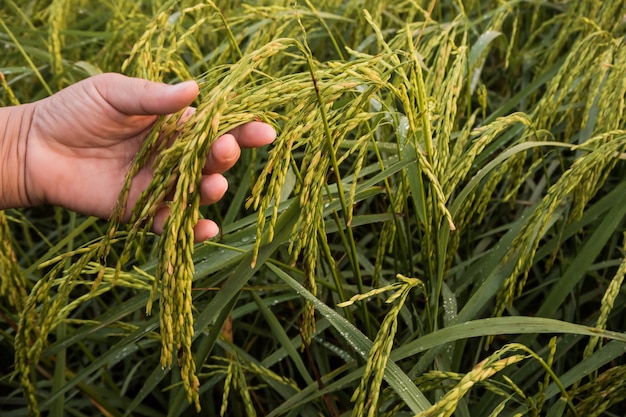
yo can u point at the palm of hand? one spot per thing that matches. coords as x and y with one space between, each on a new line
83 149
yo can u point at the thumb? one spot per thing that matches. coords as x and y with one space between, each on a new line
137 96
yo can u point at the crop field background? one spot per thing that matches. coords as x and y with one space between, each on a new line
438 229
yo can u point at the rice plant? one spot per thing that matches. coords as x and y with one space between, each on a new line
437 230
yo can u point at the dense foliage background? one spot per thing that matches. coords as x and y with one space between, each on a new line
438 229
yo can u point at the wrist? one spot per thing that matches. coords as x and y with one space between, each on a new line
15 122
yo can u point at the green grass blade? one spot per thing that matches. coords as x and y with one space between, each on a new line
397 379
586 256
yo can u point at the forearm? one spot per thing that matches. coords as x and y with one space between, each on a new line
15 124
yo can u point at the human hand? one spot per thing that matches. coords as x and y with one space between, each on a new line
82 141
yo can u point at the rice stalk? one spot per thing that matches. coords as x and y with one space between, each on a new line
538 405
366 396
420 135
58 14
178 170
489 367
37 322
442 380
13 286
595 164
586 66
26 56
601 393
607 305
407 82
12 100
237 370
446 406
48 305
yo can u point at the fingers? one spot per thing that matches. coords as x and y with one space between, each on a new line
203 230
136 96
212 189
254 134
224 153
226 150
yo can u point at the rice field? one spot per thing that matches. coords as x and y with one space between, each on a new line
437 230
